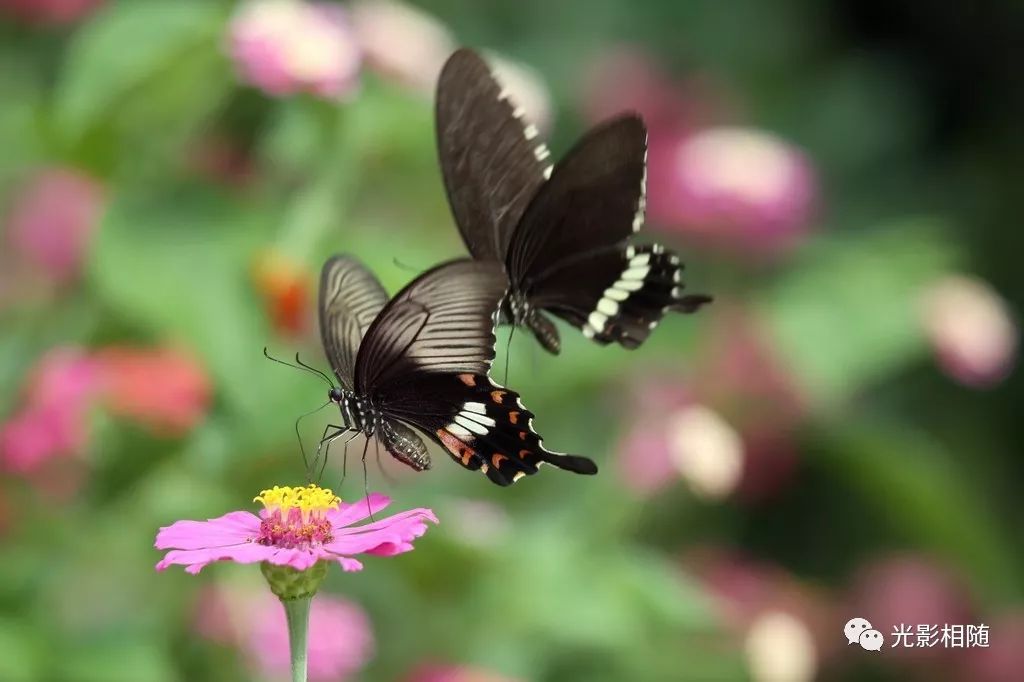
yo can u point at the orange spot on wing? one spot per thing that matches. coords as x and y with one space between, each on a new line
456 447
468 379
497 395
522 435
497 459
513 417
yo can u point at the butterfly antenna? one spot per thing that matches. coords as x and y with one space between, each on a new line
405 266
302 449
313 369
301 365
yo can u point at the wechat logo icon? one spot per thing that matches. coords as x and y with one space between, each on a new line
859 631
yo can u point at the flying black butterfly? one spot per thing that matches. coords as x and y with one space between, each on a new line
421 360
562 232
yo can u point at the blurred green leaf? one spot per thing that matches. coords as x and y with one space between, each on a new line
19 657
125 45
846 315
912 486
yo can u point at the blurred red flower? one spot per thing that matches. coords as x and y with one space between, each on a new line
285 287
49 11
164 389
52 221
289 46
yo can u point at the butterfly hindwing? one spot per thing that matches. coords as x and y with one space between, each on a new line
492 161
618 295
350 298
482 426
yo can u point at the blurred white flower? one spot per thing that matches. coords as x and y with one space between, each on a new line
970 330
706 450
289 46
780 648
402 42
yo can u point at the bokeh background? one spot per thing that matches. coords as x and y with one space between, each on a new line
837 436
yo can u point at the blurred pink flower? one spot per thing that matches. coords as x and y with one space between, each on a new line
402 42
289 46
1003 659
340 639
784 623
626 78
52 422
294 532
970 330
738 189
909 589
726 429
162 388
246 617
49 11
455 673
53 219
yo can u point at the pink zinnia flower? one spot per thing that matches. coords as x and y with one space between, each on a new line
53 219
970 330
49 11
297 528
289 46
739 189
162 388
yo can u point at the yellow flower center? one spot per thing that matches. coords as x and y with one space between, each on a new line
311 501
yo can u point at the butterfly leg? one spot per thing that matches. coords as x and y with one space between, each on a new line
328 440
324 438
366 481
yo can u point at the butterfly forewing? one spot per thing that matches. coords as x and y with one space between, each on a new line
443 321
592 202
350 299
492 160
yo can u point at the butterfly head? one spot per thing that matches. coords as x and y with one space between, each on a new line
336 394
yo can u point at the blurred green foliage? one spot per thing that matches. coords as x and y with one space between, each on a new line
585 583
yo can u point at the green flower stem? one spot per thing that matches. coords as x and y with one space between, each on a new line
297 613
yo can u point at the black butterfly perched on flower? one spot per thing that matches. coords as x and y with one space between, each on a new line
421 360
561 231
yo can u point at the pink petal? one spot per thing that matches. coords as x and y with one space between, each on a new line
230 529
299 559
381 524
386 537
196 559
349 513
